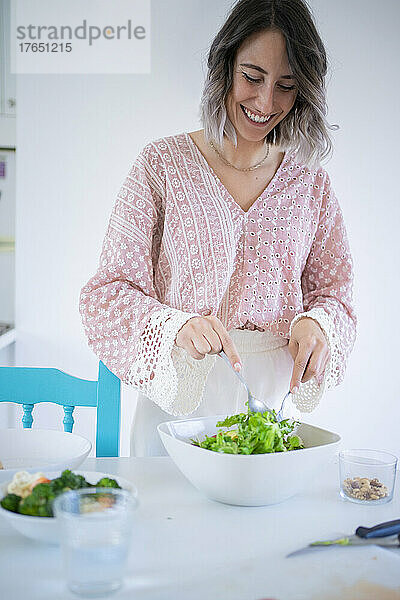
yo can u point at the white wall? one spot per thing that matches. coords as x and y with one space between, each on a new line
363 45
77 136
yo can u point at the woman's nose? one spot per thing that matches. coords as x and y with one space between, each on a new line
266 99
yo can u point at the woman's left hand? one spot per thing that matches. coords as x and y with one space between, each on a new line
309 350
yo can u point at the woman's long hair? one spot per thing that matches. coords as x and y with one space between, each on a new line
305 129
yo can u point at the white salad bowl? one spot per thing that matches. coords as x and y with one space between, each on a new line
246 480
46 529
38 449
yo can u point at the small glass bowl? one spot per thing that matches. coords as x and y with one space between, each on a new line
367 476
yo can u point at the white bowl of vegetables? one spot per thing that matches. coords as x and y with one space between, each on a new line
26 501
248 459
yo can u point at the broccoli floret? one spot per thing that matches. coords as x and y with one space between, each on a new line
39 502
58 486
107 483
11 502
72 481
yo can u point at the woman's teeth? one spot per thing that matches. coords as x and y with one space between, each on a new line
256 118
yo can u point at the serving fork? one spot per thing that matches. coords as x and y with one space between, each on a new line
255 405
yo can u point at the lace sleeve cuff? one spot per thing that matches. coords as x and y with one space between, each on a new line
164 373
310 393
191 378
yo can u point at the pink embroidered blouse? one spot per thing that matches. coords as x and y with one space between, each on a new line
178 245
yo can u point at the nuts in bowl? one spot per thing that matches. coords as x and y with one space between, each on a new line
364 488
367 476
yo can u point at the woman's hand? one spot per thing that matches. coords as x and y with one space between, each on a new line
206 335
309 350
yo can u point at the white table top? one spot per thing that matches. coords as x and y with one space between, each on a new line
187 547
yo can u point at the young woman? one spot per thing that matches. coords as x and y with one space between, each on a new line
231 237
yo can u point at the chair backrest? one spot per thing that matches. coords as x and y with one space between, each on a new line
30 385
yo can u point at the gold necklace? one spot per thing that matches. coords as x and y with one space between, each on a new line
238 168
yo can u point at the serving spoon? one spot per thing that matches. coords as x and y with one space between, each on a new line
254 405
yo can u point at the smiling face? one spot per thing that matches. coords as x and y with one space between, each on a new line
264 89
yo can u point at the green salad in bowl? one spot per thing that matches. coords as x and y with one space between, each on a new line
248 459
253 433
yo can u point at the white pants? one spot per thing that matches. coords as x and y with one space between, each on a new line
267 368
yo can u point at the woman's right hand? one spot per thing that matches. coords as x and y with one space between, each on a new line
206 335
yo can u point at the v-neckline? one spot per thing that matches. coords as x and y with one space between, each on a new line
227 193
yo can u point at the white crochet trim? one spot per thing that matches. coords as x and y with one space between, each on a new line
310 393
192 375
154 356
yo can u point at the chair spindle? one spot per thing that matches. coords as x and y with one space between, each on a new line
68 419
27 418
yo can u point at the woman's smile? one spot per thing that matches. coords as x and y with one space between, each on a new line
255 119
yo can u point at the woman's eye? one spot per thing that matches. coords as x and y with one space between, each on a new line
248 78
287 88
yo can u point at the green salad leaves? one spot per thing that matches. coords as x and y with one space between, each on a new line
40 500
255 433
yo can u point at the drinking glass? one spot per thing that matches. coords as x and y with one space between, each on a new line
95 534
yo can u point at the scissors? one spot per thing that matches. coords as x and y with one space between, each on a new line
384 534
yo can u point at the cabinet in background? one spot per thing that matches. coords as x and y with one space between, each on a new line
7 79
7 82
7 234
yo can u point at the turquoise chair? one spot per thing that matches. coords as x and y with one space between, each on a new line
30 385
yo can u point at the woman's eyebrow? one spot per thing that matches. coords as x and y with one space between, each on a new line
257 68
